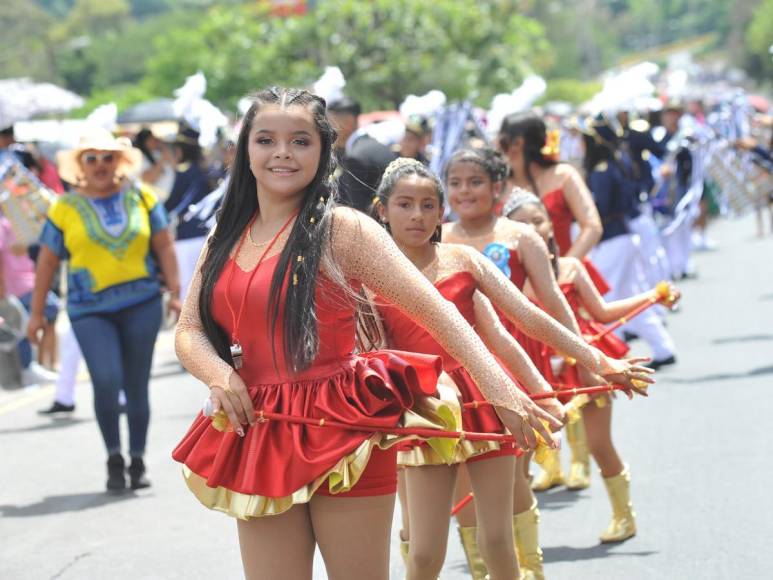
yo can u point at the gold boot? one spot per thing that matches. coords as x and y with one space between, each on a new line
526 529
623 524
579 471
551 475
469 538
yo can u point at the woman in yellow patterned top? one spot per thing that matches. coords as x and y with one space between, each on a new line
113 234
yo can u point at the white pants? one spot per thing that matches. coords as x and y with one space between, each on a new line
654 257
678 245
617 261
70 357
187 255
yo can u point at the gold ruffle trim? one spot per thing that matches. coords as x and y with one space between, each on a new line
425 455
342 477
443 412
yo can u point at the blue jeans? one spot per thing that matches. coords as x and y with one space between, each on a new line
118 350
50 312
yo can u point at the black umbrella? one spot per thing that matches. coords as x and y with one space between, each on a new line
149 112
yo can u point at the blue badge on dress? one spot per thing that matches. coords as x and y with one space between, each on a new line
500 255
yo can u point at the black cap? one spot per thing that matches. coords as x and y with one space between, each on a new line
187 136
345 105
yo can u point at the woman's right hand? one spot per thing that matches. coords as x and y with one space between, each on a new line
554 407
235 402
35 328
523 426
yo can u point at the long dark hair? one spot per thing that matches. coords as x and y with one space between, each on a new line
395 171
596 151
521 198
141 143
533 130
299 262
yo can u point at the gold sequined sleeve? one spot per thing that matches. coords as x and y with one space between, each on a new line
528 317
534 256
507 349
194 350
365 252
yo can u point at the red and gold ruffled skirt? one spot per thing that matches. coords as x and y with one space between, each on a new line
481 419
278 464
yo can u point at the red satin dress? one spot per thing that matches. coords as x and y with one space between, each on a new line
562 218
277 463
610 344
404 334
538 352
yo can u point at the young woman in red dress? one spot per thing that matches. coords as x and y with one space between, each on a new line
531 153
591 312
410 203
269 325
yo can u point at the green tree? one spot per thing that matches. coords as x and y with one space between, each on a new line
386 49
92 18
24 47
759 40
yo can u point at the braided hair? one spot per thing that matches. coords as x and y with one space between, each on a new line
397 170
532 129
299 262
492 161
521 198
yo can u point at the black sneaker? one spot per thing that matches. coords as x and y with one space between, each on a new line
664 362
116 478
137 474
57 407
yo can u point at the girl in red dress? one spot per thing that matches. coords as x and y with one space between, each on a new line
524 141
592 312
269 325
474 179
410 204
532 156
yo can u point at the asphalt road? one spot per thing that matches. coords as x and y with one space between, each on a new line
699 450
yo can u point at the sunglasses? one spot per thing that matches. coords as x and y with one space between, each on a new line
94 158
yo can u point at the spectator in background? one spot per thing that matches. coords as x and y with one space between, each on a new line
17 278
9 146
363 159
414 143
191 185
108 231
157 162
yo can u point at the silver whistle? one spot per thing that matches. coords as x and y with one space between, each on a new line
237 355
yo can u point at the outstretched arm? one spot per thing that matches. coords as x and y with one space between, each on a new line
505 347
534 322
597 307
539 269
365 252
512 355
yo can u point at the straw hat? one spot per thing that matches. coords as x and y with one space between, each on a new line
99 139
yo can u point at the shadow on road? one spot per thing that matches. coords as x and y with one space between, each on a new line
723 376
559 499
570 554
747 338
57 504
55 423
